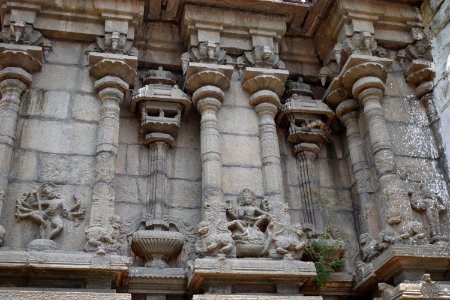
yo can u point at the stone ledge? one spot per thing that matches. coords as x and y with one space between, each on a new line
254 297
249 271
69 295
156 280
63 260
400 262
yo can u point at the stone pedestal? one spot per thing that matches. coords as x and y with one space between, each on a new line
245 275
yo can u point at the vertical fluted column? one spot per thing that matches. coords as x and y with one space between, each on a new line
110 91
13 81
348 112
308 181
158 178
208 100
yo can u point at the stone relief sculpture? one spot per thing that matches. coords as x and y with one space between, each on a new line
284 240
214 240
113 240
432 207
250 231
47 209
369 247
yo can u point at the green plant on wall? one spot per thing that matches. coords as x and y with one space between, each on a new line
324 251
288 85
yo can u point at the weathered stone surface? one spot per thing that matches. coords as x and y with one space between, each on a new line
67 169
50 104
86 107
42 295
59 137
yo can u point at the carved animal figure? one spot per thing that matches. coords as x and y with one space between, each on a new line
284 240
369 247
211 242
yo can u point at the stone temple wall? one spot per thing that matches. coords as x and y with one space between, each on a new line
168 150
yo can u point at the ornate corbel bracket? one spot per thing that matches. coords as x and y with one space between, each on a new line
206 52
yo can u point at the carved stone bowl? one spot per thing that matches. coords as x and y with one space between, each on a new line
157 246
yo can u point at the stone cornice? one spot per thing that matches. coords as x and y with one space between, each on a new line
236 31
81 20
392 24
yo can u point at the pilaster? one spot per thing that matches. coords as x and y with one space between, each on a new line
308 122
207 83
265 86
18 63
114 74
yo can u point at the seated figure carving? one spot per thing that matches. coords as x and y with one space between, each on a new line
248 224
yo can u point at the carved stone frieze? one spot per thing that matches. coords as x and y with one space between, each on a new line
47 209
205 272
250 230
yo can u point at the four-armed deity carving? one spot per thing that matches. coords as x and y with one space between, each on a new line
250 231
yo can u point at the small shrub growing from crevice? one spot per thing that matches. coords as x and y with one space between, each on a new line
324 251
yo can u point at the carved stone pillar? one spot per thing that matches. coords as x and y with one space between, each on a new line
308 128
18 63
265 87
365 77
114 74
208 82
348 112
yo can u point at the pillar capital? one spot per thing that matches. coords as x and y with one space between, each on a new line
365 87
29 58
204 74
357 67
111 87
113 65
257 79
213 93
346 110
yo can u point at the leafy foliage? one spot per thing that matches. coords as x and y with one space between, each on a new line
322 251
288 84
